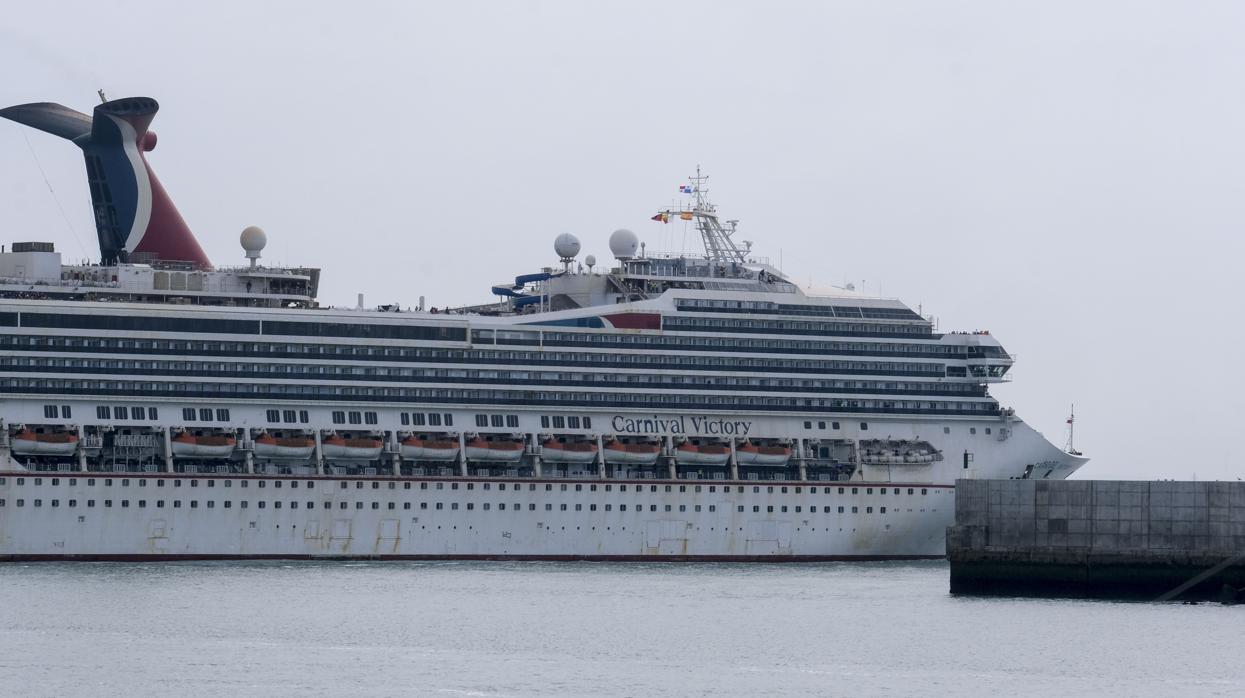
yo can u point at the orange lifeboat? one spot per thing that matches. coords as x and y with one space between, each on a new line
555 451
503 450
340 448
188 445
688 453
29 443
296 448
415 448
750 454
643 454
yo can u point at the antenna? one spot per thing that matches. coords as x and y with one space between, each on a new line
1070 448
102 96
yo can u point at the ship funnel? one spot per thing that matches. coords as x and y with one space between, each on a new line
134 217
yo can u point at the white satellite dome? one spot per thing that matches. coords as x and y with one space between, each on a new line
566 245
590 260
623 243
253 239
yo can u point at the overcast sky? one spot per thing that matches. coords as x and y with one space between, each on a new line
1067 175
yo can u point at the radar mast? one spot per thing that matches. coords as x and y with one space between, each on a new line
719 247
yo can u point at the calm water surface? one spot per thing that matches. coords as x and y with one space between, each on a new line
526 629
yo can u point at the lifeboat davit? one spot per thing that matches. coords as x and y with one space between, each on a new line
501 450
688 453
619 452
28 443
429 449
190 446
340 448
573 452
293 448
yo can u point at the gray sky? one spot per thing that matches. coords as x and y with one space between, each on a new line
1068 175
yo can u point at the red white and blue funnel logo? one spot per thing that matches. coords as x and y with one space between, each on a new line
134 217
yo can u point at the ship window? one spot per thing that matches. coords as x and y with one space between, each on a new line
339 417
274 416
188 413
368 417
972 430
103 412
987 428
434 420
288 416
864 426
840 509
481 420
49 411
205 414
834 425
923 490
572 422
544 421
559 422
449 420
303 416
946 430
121 411
355 417
417 419
405 418
512 420
587 422
496 420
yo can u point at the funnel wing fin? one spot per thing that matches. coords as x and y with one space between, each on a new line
55 119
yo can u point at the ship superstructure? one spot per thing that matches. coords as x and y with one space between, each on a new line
658 407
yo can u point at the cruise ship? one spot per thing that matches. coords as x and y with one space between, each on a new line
154 406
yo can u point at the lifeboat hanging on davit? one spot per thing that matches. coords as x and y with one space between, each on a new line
284 448
187 445
28 443
554 451
417 447
341 448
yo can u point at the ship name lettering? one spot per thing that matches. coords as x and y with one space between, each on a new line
679 425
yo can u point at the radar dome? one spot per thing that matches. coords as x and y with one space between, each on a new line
253 239
566 245
623 243
590 260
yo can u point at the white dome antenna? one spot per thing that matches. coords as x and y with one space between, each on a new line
567 247
591 261
624 243
253 241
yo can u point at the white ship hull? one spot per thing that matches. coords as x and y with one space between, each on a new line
704 522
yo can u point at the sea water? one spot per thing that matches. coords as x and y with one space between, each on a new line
585 629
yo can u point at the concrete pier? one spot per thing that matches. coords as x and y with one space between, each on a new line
1096 538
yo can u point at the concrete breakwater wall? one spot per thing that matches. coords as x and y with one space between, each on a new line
1098 538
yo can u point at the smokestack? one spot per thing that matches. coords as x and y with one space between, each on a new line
134 217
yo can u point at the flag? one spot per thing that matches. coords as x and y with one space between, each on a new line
685 188
686 215
661 217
